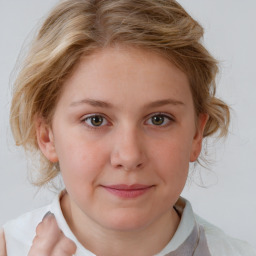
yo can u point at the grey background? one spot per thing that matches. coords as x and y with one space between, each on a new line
230 34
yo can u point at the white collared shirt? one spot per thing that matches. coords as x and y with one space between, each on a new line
203 238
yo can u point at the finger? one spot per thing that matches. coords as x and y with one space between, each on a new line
50 240
2 244
47 236
65 247
48 227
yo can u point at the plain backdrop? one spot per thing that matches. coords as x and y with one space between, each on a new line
229 199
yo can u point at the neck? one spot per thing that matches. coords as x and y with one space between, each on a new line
140 242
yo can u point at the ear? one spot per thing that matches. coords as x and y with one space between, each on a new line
45 140
198 138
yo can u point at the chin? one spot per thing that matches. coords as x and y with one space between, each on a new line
128 221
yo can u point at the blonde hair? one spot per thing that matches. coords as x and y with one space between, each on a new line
77 28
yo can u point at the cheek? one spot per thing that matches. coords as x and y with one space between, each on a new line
171 160
81 161
175 150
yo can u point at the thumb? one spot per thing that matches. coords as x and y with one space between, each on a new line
50 240
48 228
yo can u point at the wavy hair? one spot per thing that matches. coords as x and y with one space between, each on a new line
76 28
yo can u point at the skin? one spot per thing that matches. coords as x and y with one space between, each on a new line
2 244
128 147
50 240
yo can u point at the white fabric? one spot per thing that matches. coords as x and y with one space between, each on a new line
221 244
19 233
185 227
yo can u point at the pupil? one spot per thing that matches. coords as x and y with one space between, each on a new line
158 120
97 120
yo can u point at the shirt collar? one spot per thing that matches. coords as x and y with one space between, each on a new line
185 228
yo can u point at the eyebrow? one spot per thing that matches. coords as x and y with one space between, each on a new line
92 102
164 102
104 104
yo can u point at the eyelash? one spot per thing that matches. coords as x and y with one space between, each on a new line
163 115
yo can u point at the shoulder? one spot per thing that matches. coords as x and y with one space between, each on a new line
2 243
221 244
19 233
26 220
26 223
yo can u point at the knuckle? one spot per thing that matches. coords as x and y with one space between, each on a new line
67 245
35 240
39 228
71 246
36 250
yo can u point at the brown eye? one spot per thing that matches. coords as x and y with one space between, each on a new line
158 120
95 120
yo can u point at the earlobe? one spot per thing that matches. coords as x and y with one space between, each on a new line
198 138
45 140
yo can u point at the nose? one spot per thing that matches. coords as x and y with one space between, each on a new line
128 153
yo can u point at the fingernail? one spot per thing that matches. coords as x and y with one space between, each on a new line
48 214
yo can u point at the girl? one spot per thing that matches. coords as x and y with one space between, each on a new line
117 96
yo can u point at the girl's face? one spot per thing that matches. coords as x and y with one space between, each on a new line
124 131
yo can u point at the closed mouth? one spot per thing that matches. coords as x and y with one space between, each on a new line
128 191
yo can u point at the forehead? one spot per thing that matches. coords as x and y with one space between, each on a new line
122 75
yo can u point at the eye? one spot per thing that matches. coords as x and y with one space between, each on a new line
95 121
159 120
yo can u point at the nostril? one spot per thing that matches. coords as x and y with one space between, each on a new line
126 156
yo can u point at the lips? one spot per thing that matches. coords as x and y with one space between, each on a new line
128 187
128 191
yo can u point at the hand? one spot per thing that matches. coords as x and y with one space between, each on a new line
2 244
50 240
